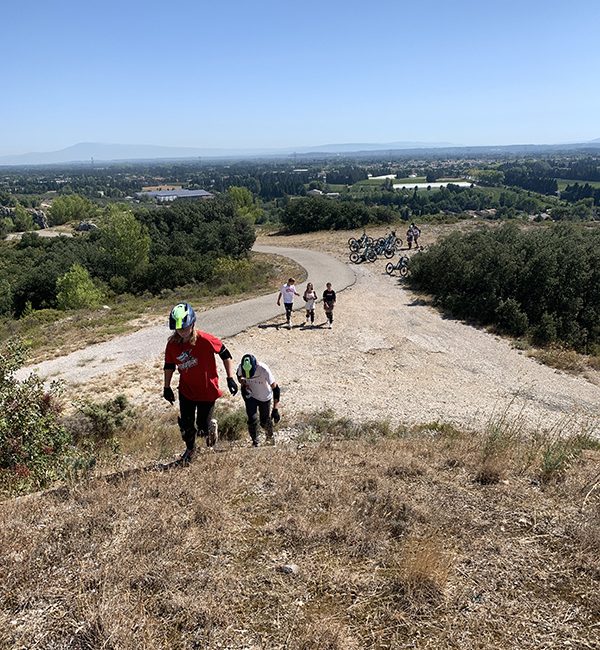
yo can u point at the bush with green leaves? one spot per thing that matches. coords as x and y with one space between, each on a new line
76 290
34 444
95 424
71 207
544 282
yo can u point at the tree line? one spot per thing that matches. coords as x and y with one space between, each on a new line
130 252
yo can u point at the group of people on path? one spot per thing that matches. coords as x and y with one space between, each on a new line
193 353
288 293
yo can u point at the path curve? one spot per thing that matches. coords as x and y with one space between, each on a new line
148 343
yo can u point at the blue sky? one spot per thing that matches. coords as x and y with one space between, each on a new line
241 74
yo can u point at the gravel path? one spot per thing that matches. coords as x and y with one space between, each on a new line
144 345
389 356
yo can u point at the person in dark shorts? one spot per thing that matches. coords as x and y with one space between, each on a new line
329 299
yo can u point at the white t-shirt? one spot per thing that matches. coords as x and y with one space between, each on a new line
288 291
259 385
310 302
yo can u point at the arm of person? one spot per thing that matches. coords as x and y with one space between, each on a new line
168 394
279 298
228 364
229 370
276 394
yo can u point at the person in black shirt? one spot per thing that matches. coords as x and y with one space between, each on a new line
329 303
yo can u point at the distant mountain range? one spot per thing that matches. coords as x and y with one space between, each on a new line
84 152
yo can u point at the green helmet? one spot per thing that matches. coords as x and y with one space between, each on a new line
248 365
181 316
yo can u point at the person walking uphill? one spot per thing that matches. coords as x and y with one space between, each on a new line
192 353
329 299
310 297
288 291
258 388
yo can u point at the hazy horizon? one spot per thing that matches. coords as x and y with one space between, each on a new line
278 76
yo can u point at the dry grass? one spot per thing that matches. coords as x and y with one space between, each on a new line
560 358
395 542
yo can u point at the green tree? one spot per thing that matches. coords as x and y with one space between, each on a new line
6 225
241 197
70 207
76 290
22 219
6 297
244 203
124 245
490 177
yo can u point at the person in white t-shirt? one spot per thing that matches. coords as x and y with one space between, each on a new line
287 292
258 389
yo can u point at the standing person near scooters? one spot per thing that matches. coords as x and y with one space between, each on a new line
288 291
409 237
416 231
258 388
310 297
329 299
192 352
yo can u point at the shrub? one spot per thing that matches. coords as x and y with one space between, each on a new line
511 318
232 424
34 445
76 290
545 332
95 424
560 454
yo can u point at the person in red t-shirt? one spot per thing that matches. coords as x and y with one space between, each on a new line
192 353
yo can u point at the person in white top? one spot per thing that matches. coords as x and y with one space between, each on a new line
310 297
258 388
287 292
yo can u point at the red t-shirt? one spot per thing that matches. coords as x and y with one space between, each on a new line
198 377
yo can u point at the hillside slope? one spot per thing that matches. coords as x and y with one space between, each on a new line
357 530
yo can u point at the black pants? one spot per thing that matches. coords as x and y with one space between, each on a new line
288 310
256 409
195 418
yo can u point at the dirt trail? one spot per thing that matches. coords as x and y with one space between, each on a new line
391 356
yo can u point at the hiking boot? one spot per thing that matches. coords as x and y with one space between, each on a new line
289 326
270 440
255 442
187 457
330 325
212 436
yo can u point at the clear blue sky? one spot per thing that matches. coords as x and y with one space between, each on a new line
271 73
